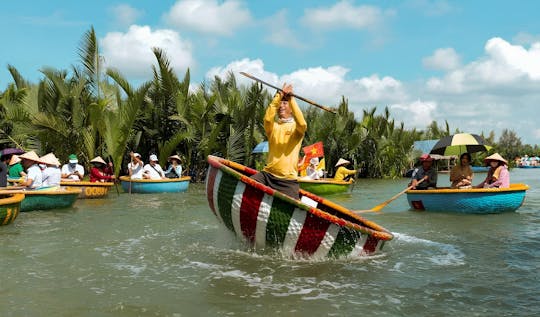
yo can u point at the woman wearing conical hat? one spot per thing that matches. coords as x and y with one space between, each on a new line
16 169
51 173
34 177
498 175
175 169
101 171
342 173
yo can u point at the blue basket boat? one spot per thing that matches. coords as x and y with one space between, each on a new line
152 186
469 201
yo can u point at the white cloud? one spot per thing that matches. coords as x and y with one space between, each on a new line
209 16
442 59
125 14
432 7
344 15
131 52
416 113
279 32
504 66
324 85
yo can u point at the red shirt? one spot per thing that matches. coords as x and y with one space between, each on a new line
101 175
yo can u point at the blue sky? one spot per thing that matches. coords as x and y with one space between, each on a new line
475 64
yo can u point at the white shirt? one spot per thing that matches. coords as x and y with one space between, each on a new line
155 172
51 176
136 170
34 173
67 169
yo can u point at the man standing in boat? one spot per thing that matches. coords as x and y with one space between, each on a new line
285 137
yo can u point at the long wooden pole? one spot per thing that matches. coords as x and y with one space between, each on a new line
299 97
382 205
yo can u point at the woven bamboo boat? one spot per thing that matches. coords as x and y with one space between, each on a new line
45 199
89 190
10 205
263 217
469 201
150 186
324 186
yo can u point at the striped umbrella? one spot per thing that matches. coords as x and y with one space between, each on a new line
460 143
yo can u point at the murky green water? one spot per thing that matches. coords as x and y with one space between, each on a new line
166 255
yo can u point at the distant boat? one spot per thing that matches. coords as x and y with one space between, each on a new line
469 201
479 169
10 205
325 186
266 218
89 190
152 186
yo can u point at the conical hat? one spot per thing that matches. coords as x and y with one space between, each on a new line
32 156
50 159
14 159
98 159
342 162
176 157
495 157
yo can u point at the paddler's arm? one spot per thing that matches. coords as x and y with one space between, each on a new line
269 117
301 125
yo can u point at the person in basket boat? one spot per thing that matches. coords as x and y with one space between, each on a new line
50 170
498 175
101 171
72 171
175 169
343 173
16 169
135 166
153 170
285 137
34 177
461 175
311 170
425 172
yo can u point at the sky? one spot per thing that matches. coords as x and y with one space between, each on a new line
474 64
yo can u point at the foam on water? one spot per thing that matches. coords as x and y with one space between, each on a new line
449 255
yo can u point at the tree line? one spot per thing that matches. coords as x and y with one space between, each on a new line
90 111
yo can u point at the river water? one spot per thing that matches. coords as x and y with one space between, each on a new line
167 255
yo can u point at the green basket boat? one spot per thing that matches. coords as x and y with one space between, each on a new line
45 199
324 186
312 227
10 205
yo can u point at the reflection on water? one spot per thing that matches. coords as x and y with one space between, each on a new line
166 255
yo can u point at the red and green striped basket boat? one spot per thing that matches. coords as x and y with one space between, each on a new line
10 206
311 227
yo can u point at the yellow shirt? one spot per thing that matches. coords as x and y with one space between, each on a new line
284 140
342 172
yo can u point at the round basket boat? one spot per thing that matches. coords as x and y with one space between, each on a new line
152 186
10 206
263 217
89 190
469 201
325 186
45 199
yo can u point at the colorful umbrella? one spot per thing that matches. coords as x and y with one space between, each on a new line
460 143
261 147
11 150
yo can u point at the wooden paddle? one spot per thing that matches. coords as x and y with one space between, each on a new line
299 97
382 205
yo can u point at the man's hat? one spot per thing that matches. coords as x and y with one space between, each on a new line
50 159
425 158
14 159
32 156
153 158
342 161
73 159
